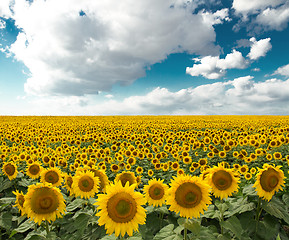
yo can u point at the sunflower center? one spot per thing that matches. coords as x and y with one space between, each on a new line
188 195
34 169
269 180
156 192
222 180
51 177
44 200
126 177
121 207
9 169
69 181
21 200
85 184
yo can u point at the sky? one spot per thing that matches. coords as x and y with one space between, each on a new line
145 57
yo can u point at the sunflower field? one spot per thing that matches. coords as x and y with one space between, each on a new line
144 177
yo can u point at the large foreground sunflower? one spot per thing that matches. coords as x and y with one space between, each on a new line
223 181
10 170
156 192
120 209
189 196
269 180
85 184
43 202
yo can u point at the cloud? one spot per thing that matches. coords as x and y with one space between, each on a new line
76 47
216 18
284 70
274 19
262 15
249 6
5 8
259 48
238 96
213 67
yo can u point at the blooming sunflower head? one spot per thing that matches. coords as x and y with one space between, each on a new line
223 181
156 192
85 184
43 202
103 179
10 170
52 176
120 209
269 180
34 170
189 196
19 203
125 177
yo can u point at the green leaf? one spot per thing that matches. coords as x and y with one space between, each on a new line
233 224
109 237
276 208
238 206
81 221
7 200
25 182
23 227
5 184
165 232
268 228
285 199
6 220
278 237
77 203
249 190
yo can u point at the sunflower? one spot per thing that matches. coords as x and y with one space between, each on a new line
125 177
269 180
188 195
114 168
85 184
223 181
68 183
150 172
156 192
52 175
33 170
120 209
10 170
103 179
19 201
43 202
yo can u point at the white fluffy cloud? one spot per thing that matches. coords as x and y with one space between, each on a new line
111 42
267 14
274 19
213 67
249 6
284 70
239 96
259 48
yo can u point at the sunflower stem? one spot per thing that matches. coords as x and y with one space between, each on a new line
161 216
258 214
186 230
47 227
222 217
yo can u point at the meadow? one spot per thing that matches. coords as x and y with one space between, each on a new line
144 177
